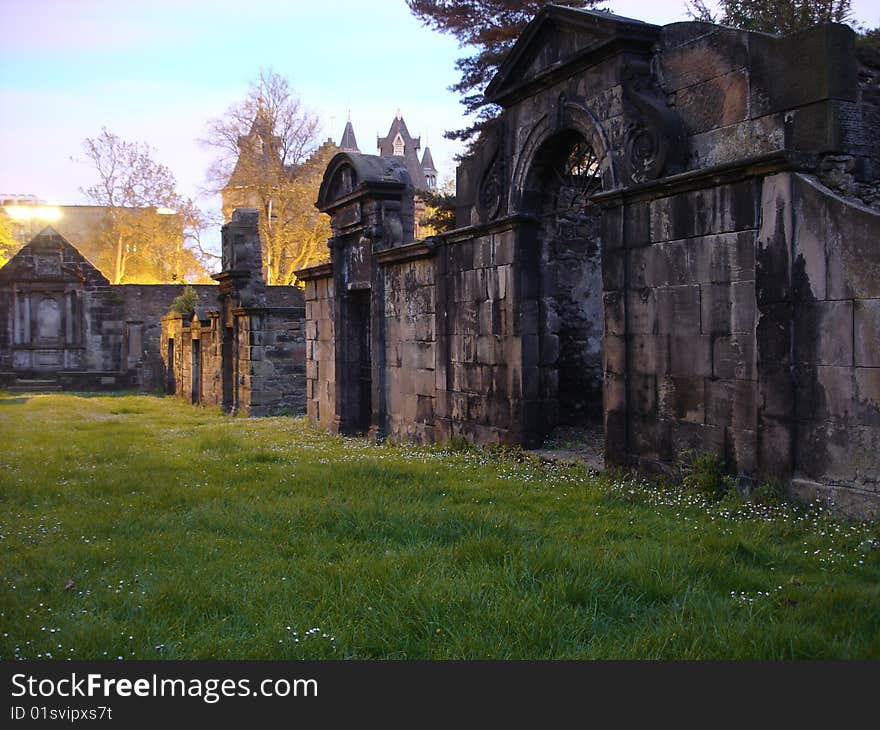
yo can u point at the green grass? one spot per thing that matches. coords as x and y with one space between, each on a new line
139 527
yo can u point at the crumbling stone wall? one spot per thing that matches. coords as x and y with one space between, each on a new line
320 347
479 364
734 318
250 351
824 391
408 339
144 306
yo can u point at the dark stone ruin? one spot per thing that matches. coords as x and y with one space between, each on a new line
245 352
671 229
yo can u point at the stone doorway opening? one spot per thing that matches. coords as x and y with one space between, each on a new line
360 362
567 264
196 371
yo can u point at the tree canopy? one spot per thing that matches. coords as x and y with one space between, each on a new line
269 158
146 234
9 245
488 29
774 16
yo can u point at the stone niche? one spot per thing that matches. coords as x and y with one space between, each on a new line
646 236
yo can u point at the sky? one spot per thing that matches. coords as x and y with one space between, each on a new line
157 71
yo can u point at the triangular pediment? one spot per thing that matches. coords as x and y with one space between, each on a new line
557 38
49 256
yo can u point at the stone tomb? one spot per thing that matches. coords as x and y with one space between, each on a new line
62 321
669 229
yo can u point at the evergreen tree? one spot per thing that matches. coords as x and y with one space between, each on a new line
774 16
488 28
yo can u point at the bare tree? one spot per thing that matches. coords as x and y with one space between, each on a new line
266 145
144 234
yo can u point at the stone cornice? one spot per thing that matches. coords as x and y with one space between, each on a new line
757 166
318 271
409 252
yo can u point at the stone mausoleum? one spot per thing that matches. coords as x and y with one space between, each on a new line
673 230
63 325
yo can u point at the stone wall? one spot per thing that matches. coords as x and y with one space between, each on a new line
320 348
481 378
680 356
271 361
650 199
408 339
143 306
245 351
822 398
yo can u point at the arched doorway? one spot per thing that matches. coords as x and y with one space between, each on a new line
566 171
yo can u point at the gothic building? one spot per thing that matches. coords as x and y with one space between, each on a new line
400 143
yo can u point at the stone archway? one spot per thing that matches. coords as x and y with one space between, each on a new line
564 262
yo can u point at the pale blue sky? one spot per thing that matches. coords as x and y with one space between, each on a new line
156 71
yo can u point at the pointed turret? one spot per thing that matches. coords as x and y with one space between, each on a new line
348 143
429 169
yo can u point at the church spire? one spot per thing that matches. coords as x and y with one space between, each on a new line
349 143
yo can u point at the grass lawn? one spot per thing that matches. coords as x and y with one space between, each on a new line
140 527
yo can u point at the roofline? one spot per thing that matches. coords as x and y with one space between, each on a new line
622 28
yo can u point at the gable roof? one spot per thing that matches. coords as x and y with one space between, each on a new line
411 146
559 38
51 257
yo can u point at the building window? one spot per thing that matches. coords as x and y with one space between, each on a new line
398 146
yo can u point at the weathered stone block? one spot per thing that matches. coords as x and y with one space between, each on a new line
682 399
867 332
723 258
741 451
488 349
614 270
646 437
733 357
505 248
615 313
721 209
678 309
716 102
708 56
728 308
614 354
499 380
642 396
700 437
690 355
824 333
636 224
732 403
839 452
641 312
648 353
423 382
867 390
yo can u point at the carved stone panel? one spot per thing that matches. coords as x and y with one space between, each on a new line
49 320
47 266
